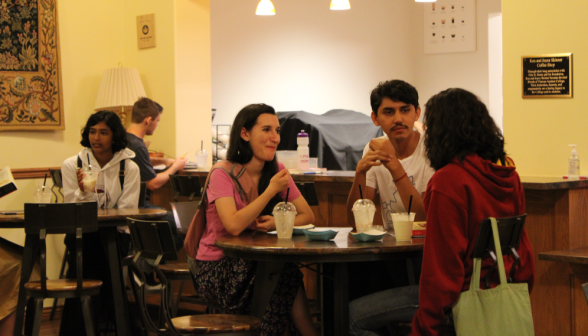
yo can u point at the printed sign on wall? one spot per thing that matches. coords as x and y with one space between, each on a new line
450 26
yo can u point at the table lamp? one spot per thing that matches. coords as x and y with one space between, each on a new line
119 88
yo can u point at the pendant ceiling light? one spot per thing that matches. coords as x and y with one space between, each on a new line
265 7
425 0
340 5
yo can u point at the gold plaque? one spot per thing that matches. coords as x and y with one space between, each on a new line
547 76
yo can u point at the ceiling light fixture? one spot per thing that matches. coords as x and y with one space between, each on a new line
265 7
340 5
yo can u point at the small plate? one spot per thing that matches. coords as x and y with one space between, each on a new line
313 234
371 235
298 230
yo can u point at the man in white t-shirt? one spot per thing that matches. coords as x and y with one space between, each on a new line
395 164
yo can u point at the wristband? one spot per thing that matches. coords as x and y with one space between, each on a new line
401 177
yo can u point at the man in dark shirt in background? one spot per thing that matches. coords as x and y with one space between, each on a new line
144 120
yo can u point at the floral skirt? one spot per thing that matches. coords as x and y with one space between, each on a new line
230 281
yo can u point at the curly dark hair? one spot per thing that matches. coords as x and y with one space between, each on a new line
397 90
240 150
457 124
111 119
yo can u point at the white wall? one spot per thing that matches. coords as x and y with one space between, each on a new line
310 58
469 70
307 57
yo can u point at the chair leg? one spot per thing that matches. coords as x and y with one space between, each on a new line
88 317
38 316
61 275
176 305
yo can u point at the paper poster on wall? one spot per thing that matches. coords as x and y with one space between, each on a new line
450 26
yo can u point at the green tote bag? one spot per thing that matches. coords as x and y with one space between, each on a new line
501 311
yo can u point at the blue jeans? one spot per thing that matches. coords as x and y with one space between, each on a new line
374 311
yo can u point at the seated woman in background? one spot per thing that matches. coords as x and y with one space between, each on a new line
253 142
474 180
104 140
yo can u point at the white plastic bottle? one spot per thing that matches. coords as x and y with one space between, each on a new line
573 165
303 155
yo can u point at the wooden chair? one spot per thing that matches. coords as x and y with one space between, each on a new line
153 240
184 185
183 213
62 218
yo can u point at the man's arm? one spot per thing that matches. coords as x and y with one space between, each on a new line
371 159
155 161
163 177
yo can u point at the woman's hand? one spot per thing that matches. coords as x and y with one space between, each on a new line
280 181
265 223
80 179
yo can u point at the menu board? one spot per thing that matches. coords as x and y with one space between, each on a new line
450 26
547 76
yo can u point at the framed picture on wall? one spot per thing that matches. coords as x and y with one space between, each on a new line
31 96
450 26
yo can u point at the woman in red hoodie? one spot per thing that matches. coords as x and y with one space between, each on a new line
474 180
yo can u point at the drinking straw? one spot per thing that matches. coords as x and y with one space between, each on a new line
89 164
409 205
287 193
360 192
201 145
44 181
184 155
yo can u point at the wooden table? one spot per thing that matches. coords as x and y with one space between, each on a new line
271 254
577 260
108 220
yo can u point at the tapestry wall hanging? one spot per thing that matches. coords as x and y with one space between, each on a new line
31 97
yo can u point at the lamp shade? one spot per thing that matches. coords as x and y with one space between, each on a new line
265 7
119 87
340 5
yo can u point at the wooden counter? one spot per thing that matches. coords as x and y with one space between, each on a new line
557 219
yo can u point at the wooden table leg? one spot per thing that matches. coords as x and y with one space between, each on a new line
121 311
28 261
266 279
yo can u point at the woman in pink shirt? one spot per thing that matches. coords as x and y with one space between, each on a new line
255 136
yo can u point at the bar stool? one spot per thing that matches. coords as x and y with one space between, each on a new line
153 240
62 218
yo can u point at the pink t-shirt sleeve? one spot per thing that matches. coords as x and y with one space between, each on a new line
220 185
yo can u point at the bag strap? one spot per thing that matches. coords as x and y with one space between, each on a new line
475 282
498 248
121 174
